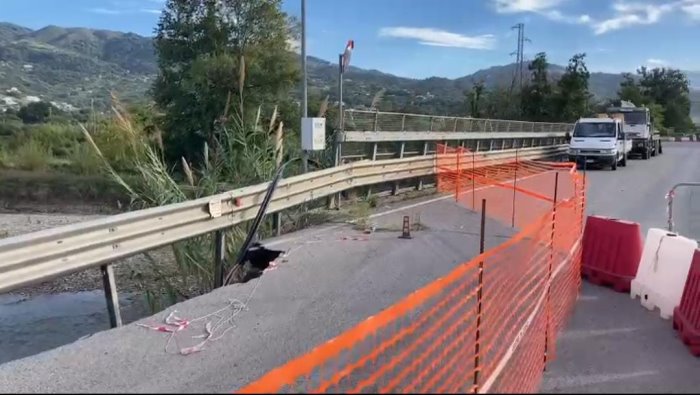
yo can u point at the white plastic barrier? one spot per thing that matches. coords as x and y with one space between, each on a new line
663 270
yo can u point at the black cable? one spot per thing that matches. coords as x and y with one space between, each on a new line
258 218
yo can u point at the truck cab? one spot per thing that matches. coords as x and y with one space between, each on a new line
639 129
599 141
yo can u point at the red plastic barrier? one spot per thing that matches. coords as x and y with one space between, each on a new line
686 317
612 250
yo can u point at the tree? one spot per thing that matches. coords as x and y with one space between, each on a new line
211 55
668 88
630 90
474 99
537 95
573 98
36 112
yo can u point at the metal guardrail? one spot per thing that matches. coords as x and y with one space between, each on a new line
670 196
377 121
44 255
383 135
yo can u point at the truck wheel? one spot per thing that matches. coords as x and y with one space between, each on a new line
623 162
614 166
645 154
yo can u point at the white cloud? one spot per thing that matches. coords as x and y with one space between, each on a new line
623 13
106 11
515 6
151 11
440 38
692 9
630 14
657 63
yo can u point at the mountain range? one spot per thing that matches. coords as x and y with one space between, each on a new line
81 66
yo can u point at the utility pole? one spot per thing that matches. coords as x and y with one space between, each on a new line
305 89
520 55
519 72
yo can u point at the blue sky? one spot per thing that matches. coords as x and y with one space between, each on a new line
447 38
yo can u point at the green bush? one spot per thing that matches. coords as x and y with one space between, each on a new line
10 127
4 158
32 155
84 160
60 139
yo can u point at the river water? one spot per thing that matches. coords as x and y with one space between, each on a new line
30 325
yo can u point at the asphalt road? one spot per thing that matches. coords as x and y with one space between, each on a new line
612 343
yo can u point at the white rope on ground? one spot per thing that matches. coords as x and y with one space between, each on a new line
174 324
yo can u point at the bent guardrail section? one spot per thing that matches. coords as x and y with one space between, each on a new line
44 255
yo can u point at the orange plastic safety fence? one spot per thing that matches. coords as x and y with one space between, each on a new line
488 326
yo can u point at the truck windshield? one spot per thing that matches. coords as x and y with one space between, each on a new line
606 129
636 118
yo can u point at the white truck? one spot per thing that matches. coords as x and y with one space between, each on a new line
599 141
639 129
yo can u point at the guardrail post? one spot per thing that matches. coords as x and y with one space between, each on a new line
431 124
374 157
219 257
491 145
477 145
454 129
403 123
110 287
395 190
479 297
376 121
503 144
425 153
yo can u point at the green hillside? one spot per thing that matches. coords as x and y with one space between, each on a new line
81 66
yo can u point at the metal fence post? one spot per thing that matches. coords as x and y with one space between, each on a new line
473 181
431 124
549 272
479 297
111 295
376 121
403 122
459 155
515 184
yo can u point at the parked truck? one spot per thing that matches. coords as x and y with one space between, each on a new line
639 128
600 141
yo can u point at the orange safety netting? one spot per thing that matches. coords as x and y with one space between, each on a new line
488 326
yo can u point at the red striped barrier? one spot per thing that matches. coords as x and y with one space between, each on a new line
611 252
686 317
